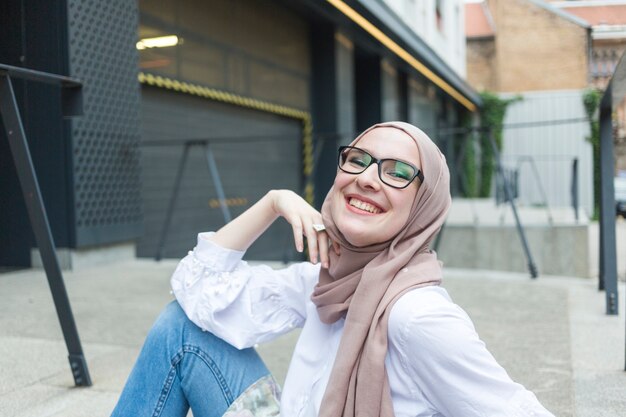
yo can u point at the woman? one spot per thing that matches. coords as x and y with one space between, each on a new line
379 338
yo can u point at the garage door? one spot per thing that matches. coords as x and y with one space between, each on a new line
254 152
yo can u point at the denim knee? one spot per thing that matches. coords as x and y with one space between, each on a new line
171 319
174 329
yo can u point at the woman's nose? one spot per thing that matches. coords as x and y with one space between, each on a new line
369 178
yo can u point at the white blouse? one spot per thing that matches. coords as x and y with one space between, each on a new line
436 364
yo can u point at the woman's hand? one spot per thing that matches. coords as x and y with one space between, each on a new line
242 231
301 216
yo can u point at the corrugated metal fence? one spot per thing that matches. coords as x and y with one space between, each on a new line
549 129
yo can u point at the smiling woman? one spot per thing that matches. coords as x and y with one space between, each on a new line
379 338
372 196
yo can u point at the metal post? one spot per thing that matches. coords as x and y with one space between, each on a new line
575 187
170 207
217 182
41 228
608 254
541 190
532 268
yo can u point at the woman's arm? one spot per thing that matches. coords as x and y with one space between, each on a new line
240 233
441 352
242 304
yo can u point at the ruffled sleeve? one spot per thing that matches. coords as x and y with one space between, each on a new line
242 304
447 362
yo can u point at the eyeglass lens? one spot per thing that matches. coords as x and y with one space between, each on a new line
391 171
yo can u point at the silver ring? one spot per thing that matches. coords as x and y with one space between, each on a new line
319 227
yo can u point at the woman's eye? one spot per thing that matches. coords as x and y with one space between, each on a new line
399 175
357 162
399 171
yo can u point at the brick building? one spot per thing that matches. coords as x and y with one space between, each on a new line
608 42
608 34
532 49
525 45
518 46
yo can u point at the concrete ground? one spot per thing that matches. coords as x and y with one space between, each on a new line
550 334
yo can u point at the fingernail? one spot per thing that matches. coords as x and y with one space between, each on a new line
325 265
299 248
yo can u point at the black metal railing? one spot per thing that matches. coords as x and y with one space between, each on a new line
206 147
71 98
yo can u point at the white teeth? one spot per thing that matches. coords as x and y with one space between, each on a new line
364 206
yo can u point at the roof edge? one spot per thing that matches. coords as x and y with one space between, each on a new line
418 47
561 13
488 15
584 3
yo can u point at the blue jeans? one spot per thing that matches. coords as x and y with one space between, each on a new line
181 366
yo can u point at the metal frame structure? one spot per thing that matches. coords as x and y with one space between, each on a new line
532 267
217 183
213 170
71 97
614 95
608 253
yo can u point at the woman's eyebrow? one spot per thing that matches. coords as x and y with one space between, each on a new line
397 158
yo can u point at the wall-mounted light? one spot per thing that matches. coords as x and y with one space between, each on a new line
159 42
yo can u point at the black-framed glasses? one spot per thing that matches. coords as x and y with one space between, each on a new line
393 172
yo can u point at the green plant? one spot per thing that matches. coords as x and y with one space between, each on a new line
469 175
492 117
591 101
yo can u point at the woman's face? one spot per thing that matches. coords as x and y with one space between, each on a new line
366 210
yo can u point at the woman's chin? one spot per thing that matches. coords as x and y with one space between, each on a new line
358 238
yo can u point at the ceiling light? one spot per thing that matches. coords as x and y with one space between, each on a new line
159 42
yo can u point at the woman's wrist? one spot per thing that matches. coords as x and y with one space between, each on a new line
242 231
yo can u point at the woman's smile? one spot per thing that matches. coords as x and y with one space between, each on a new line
362 205
366 210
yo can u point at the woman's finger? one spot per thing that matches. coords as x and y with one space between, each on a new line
311 237
322 243
296 226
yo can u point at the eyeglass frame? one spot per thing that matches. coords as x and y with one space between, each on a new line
418 172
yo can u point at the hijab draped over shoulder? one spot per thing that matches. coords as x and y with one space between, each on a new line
363 283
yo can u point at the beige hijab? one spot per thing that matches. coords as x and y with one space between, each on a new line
363 283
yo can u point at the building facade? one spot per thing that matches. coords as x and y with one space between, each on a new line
608 43
194 109
541 55
526 45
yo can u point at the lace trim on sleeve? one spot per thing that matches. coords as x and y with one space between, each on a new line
214 283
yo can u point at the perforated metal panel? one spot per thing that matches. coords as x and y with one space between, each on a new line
102 37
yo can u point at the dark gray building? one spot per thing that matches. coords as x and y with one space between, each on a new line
262 92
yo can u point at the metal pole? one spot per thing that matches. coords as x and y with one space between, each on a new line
541 190
170 207
507 193
608 254
217 182
575 187
41 228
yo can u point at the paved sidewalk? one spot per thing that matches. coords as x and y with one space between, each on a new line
551 335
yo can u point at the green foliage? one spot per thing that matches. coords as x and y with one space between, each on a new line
591 101
469 174
492 116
